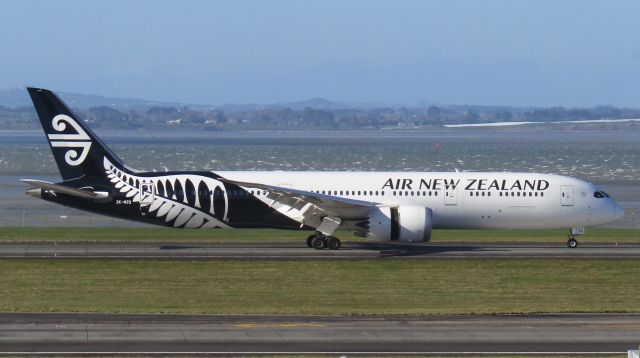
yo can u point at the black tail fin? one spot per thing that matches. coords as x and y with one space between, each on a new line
77 150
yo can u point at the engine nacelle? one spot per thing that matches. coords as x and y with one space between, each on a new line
404 223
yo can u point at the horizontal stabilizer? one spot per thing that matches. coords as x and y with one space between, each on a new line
61 189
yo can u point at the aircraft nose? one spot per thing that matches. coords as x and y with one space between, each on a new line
618 211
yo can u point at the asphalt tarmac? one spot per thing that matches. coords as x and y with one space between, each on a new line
74 333
299 251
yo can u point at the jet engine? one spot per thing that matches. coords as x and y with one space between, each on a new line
403 223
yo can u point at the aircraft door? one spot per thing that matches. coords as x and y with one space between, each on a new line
147 194
451 196
566 195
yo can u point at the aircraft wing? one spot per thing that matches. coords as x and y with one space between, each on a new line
61 189
311 204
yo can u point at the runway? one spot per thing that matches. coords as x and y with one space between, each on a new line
50 333
299 251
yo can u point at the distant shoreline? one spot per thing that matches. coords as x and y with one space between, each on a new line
631 124
503 124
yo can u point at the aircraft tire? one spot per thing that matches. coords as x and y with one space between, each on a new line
572 243
310 238
333 243
319 242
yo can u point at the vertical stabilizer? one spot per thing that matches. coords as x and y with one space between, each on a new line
78 152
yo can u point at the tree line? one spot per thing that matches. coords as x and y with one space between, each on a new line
315 118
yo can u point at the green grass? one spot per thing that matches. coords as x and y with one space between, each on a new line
320 287
12 234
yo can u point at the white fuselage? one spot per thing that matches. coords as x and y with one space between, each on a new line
464 200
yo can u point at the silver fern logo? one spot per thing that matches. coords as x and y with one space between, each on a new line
173 199
79 140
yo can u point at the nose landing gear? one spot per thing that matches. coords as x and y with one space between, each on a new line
572 242
320 242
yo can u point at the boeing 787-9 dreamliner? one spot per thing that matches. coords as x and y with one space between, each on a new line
383 206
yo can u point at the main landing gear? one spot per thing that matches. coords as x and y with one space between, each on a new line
572 242
320 242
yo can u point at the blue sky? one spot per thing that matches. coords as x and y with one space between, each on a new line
523 53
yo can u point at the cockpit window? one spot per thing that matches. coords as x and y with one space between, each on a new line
600 194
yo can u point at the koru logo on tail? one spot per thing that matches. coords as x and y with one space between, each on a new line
80 140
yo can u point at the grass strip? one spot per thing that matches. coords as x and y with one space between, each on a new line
13 234
320 287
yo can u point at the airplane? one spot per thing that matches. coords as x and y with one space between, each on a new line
393 207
